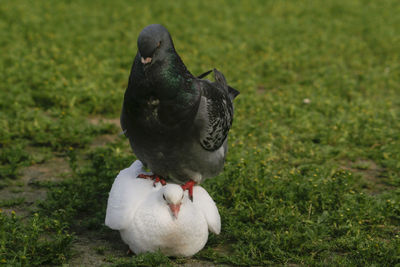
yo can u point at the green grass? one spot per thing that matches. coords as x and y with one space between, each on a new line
306 182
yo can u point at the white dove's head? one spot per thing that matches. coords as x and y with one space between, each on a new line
173 197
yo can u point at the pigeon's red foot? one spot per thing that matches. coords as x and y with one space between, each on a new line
147 176
159 180
189 186
154 177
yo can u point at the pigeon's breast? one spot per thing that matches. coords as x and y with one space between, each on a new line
154 228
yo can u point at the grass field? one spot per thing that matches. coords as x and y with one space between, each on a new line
313 170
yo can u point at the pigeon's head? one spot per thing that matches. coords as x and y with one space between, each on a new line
153 42
173 197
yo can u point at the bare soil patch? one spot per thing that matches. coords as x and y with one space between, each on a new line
28 185
371 173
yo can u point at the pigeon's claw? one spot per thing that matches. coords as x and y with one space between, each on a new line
146 176
156 178
159 180
189 186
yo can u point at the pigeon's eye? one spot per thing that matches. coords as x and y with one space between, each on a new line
158 44
164 198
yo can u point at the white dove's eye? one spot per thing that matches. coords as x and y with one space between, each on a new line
164 197
182 196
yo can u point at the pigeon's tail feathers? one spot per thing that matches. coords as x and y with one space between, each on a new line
201 76
232 92
206 204
220 79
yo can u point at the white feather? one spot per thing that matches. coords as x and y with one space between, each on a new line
126 195
203 201
145 221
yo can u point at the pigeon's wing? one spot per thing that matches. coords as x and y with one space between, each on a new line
215 114
203 201
123 121
135 77
126 194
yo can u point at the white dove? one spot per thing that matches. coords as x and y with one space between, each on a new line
152 217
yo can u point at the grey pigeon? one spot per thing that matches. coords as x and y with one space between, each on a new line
177 124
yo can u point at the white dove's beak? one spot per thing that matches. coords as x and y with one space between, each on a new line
175 209
146 60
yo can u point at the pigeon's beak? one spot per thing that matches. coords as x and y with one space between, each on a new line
146 60
175 209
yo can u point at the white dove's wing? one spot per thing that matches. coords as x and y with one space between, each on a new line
203 201
126 194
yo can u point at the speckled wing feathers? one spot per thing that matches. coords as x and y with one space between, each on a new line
219 113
